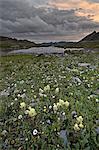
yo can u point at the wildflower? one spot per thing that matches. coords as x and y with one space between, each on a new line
97 100
55 108
81 125
35 132
57 90
20 117
44 109
40 90
4 132
22 105
76 127
41 95
47 88
66 104
35 96
74 114
15 99
32 112
50 107
63 113
45 95
53 96
32 86
79 119
58 104
61 102
12 103
24 90
26 112
19 95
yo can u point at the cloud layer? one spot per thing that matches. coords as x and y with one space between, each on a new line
29 18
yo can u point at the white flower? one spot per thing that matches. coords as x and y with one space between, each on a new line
23 95
32 86
26 112
53 96
41 95
20 117
15 99
35 132
97 100
4 132
63 113
24 90
45 95
57 90
12 103
19 95
40 90
50 107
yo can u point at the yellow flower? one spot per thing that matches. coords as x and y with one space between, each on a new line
76 127
55 108
57 90
66 104
79 119
61 102
81 125
44 109
58 104
47 88
32 112
22 105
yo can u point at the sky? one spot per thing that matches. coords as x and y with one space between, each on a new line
49 20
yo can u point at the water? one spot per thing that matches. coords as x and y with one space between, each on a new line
39 50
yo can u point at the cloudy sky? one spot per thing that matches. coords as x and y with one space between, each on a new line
51 20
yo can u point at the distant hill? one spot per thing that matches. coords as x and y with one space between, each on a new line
94 36
7 43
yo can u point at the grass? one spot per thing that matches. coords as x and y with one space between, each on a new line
32 116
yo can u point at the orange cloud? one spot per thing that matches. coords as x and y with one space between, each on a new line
88 8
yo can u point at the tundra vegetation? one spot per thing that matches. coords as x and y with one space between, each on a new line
49 102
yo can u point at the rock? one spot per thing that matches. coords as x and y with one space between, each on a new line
63 135
84 64
4 132
74 114
97 130
48 121
97 91
76 79
4 93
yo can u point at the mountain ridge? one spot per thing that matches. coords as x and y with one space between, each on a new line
94 36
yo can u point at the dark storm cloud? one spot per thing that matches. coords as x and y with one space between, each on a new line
94 1
19 17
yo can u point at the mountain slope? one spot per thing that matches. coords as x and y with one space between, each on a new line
94 36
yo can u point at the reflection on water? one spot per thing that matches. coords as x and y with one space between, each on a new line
39 50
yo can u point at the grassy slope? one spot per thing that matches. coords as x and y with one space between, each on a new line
10 44
26 74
